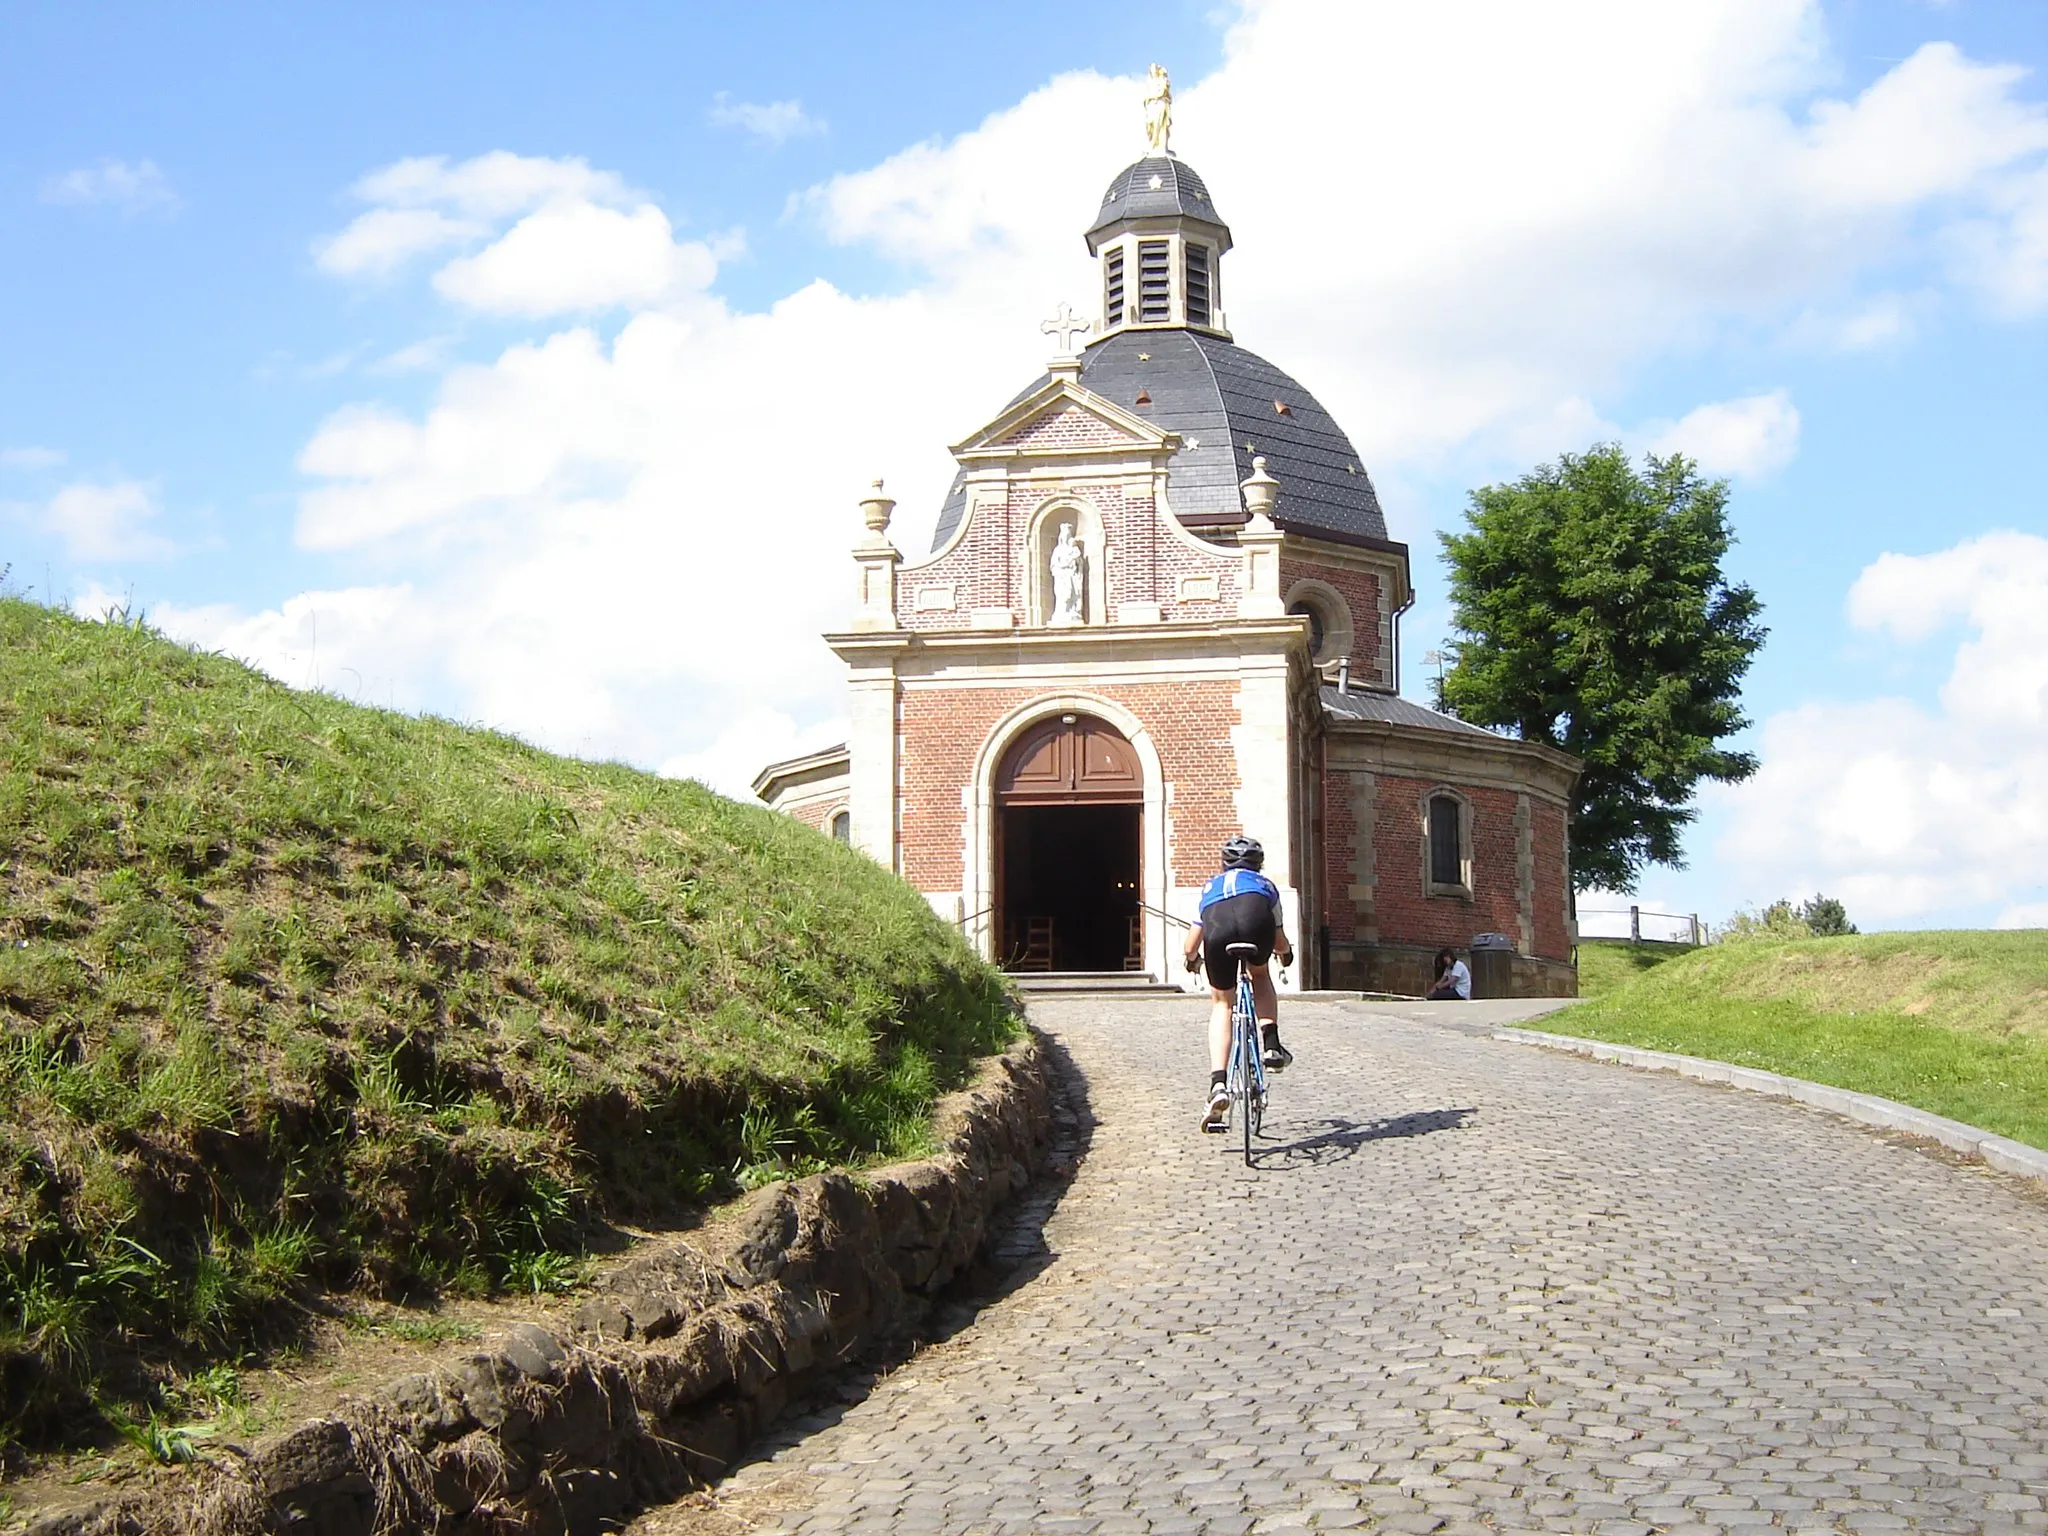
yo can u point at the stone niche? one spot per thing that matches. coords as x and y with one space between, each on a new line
1041 535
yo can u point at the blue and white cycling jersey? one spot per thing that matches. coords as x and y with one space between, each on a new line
1240 882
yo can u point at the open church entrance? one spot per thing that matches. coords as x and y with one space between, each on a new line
1069 803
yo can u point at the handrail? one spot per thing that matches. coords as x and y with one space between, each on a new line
1160 912
1696 932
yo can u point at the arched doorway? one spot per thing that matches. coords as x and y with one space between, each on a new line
1069 807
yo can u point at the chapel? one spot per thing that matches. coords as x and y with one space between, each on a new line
1161 607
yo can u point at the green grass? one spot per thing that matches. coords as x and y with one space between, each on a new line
1608 964
1955 1023
300 995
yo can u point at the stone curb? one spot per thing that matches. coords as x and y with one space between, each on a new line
1999 1152
655 1384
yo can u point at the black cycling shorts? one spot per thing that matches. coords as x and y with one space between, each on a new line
1245 919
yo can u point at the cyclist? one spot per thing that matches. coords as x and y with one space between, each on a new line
1239 906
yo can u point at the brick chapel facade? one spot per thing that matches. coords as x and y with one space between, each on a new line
1160 608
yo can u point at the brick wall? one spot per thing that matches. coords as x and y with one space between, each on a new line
942 731
1410 969
1340 855
1068 428
1405 915
1361 593
988 567
817 814
1553 936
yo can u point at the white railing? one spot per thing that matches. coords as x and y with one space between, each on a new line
1641 925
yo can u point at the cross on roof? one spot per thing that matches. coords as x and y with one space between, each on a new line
1066 325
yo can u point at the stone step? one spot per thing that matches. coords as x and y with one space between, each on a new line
1092 983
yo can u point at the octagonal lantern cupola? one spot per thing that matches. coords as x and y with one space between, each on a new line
1159 240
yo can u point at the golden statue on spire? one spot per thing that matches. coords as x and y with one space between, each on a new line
1158 110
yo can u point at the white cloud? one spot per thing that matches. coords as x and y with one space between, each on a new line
776 122
385 238
2007 255
415 357
377 645
1750 438
1935 125
582 241
491 187
2031 914
105 522
1462 225
615 548
137 188
1865 324
747 745
31 458
1522 223
569 257
1897 809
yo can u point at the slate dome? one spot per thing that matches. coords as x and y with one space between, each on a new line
1156 187
1228 404
1224 401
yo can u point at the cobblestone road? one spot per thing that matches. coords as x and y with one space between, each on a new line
1473 1287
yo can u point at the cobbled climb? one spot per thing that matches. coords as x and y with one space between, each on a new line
1472 1287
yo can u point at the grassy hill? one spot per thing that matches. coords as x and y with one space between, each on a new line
297 995
1955 1023
1606 964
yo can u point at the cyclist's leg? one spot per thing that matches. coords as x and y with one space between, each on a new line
1265 1000
1219 1028
1221 972
1216 1108
1266 1004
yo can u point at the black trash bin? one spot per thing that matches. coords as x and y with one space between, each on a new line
1493 965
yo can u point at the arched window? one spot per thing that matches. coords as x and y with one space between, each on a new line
1329 620
842 827
1314 615
1447 844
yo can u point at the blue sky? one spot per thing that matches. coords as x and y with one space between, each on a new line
559 424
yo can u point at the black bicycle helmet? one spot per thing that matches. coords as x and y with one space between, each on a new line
1243 852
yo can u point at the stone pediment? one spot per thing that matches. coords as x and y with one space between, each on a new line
1061 419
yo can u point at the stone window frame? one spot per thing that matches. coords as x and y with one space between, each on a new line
1334 610
839 825
1431 887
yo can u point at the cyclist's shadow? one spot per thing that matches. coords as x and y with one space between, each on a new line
1334 1139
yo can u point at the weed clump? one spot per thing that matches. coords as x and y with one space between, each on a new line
299 995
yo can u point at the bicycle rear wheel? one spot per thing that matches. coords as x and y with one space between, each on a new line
1245 1035
1248 1117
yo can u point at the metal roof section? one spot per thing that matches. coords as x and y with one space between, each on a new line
1392 709
1156 187
1228 404
823 763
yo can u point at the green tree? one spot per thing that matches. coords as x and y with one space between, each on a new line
1826 917
1592 614
1780 920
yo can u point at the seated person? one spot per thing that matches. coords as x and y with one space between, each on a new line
1453 979
1239 906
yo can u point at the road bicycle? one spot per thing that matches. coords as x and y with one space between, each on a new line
1245 1072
